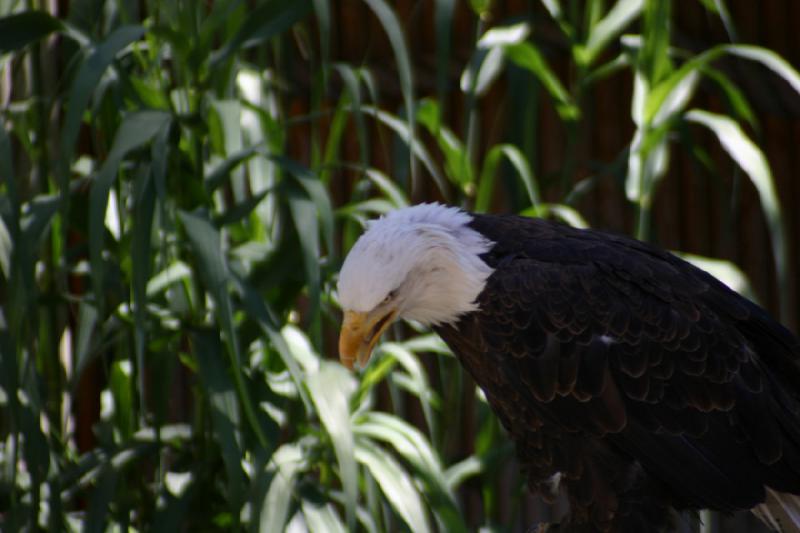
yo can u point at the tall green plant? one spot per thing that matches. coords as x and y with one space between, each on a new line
168 251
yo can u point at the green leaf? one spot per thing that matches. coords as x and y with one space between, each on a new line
461 471
216 177
136 130
267 21
527 56
121 386
560 212
736 98
21 29
673 94
351 78
443 21
554 8
330 389
482 71
458 165
224 410
388 187
82 88
505 35
416 147
608 28
207 247
176 272
489 170
87 320
260 311
769 59
322 518
287 462
654 57
37 217
144 211
395 483
322 12
752 160
304 216
725 271
102 496
394 31
415 449
316 191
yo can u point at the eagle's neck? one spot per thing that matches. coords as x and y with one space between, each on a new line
444 270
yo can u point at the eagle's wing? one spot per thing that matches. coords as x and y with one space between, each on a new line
615 339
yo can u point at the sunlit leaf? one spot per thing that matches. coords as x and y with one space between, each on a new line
725 271
616 20
395 483
769 59
388 187
482 71
322 518
527 56
287 461
504 35
330 389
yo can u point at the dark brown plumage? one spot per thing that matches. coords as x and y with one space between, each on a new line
644 381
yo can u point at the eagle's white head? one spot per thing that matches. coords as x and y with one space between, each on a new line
421 262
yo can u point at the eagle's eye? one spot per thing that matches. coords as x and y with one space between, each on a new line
390 296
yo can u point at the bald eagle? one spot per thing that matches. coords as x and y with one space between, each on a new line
631 380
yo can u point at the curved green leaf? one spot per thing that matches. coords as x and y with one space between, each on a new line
21 29
330 389
416 147
395 483
286 463
489 170
82 88
322 518
527 56
207 247
394 31
135 131
609 27
752 160
265 22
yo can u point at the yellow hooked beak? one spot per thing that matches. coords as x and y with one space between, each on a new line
360 332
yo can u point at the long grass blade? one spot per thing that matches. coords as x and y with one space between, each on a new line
330 389
225 417
135 131
395 483
206 244
752 160
394 32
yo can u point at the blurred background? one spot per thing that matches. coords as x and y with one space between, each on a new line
181 181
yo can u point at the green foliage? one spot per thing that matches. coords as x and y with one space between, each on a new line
168 253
